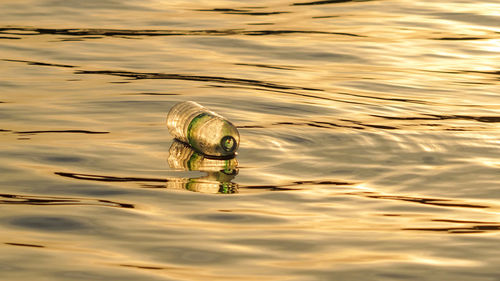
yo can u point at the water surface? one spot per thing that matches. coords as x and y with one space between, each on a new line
369 140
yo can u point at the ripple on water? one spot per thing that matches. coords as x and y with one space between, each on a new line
51 223
230 217
190 255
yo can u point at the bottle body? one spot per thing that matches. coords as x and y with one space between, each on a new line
204 130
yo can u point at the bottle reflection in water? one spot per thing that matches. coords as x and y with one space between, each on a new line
220 172
205 131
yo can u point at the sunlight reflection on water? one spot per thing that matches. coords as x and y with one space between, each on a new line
369 140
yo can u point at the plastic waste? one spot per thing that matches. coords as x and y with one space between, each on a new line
204 130
220 172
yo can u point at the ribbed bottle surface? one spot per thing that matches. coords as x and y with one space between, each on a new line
180 116
204 130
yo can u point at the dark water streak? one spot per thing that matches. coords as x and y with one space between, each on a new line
21 31
230 11
17 199
405 100
461 38
218 79
359 125
325 2
459 230
60 131
147 267
153 94
292 93
483 119
440 202
40 63
107 178
24 245
268 66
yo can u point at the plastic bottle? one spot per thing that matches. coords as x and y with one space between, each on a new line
205 131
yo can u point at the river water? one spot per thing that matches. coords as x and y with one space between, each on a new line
370 135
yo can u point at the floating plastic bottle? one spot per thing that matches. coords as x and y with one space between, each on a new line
220 172
205 131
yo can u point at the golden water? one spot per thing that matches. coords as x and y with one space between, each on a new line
369 140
